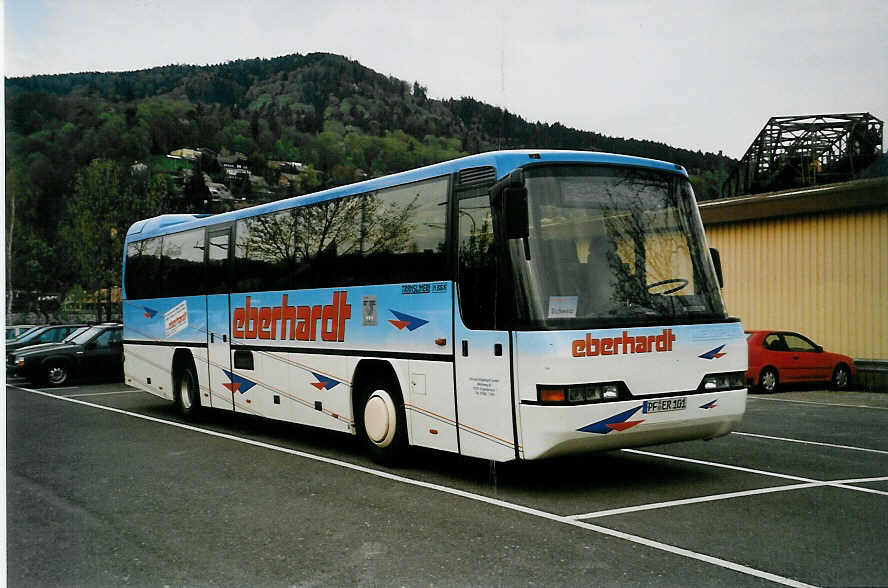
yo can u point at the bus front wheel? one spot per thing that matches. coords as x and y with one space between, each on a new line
382 425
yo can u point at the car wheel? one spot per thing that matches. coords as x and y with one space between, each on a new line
382 424
841 377
768 380
56 374
187 392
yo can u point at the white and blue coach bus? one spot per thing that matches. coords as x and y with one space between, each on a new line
508 305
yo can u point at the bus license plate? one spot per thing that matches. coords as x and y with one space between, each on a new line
665 405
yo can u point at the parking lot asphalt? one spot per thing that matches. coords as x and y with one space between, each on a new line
107 486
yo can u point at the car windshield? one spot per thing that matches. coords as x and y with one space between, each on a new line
28 335
12 330
85 335
613 246
75 333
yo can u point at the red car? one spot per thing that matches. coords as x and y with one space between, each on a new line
777 357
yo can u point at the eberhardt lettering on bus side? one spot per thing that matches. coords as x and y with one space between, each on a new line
251 322
626 344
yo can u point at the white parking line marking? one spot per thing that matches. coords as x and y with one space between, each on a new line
60 388
820 403
729 565
752 471
810 442
102 393
714 497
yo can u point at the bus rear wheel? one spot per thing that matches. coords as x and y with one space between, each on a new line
187 392
381 424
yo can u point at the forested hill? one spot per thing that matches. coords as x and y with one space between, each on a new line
285 97
256 129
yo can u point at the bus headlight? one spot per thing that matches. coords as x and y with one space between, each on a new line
579 393
725 381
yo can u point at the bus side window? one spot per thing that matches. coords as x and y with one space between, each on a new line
476 263
142 268
403 232
389 236
183 255
216 272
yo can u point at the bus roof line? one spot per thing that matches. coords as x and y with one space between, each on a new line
503 161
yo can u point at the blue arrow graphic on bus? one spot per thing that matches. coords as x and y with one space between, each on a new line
324 382
618 422
405 320
238 383
713 353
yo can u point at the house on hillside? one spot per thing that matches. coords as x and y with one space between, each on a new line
186 153
234 165
292 167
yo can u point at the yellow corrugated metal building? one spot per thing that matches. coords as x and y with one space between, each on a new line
813 260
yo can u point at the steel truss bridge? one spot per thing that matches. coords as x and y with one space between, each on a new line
796 151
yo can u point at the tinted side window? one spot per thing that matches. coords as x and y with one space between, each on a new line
265 251
394 235
797 343
182 265
52 335
142 268
403 232
109 338
103 340
217 269
476 263
773 342
307 247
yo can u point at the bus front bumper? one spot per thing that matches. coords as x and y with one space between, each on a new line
549 431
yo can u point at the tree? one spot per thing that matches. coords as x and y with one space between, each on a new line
196 190
99 212
30 263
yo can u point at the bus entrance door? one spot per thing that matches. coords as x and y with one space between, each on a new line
484 402
219 320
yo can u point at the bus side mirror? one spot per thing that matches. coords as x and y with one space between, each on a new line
717 262
515 218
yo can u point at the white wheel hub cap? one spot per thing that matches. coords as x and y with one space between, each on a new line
380 418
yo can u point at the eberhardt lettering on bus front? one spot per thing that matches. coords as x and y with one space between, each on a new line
625 344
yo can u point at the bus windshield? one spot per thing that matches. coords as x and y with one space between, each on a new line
612 246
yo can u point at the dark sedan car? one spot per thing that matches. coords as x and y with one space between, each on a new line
94 352
42 334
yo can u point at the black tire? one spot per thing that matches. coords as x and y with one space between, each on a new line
56 373
381 422
187 392
841 377
768 380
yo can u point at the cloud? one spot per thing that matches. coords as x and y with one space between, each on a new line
702 75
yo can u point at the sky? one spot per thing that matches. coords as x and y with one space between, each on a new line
701 75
